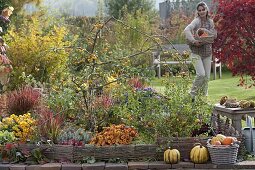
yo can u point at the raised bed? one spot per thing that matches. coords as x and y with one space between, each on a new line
54 152
129 152
78 153
124 152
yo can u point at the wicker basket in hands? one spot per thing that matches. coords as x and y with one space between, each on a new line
223 154
209 39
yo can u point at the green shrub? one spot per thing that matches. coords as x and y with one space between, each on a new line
168 114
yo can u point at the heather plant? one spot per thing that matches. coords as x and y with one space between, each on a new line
8 152
22 100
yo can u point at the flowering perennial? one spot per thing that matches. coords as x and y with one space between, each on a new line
23 126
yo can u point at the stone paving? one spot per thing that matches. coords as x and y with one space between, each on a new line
159 165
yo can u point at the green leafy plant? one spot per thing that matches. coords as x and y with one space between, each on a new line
62 99
167 114
88 160
37 156
6 137
116 160
180 117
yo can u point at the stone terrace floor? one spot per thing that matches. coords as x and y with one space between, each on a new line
127 166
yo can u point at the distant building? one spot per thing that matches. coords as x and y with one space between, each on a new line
164 13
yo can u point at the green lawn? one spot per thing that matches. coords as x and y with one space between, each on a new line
226 86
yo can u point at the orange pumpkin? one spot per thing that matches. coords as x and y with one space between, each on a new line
228 140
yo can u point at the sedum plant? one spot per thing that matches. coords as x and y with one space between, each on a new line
74 137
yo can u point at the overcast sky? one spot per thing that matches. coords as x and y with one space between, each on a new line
80 7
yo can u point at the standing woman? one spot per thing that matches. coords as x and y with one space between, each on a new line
201 53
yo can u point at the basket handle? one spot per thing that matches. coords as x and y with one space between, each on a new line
208 142
235 143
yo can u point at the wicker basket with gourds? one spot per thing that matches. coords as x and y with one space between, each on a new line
223 149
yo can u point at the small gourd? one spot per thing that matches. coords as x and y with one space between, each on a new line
172 156
199 154
220 137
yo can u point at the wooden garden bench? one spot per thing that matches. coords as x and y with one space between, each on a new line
181 47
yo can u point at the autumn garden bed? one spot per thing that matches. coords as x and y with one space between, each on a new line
69 153
80 90
117 153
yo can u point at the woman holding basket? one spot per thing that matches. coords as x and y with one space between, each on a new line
200 34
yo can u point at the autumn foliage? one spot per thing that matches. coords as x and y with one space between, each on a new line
235 44
37 49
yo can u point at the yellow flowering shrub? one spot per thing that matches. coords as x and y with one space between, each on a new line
23 126
38 49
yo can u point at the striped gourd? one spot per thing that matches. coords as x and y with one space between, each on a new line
172 156
199 154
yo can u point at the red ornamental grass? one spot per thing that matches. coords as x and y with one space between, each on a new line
22 100
49 123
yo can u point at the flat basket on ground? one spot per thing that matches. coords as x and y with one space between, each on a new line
223 154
